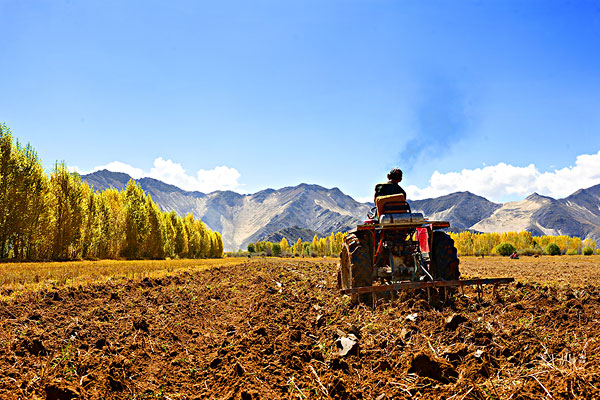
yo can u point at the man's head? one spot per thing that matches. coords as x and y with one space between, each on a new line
395 175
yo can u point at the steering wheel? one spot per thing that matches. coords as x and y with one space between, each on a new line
371 214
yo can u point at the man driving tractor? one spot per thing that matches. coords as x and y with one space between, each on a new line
390 187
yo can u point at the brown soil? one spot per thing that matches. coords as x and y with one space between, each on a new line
270 329
553 270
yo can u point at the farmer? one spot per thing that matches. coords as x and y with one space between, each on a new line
391 187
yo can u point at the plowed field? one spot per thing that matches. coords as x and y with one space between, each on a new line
276 328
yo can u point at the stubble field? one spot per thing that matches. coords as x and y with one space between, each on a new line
277 328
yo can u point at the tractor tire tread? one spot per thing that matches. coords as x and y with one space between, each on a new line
445 260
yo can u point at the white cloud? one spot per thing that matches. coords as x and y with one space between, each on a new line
364 199
219 178
206 181
75 168
503 180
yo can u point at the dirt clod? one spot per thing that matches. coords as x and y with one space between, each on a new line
32 346
453 321
141 324
60 391
428 366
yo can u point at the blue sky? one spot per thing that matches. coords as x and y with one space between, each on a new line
501 98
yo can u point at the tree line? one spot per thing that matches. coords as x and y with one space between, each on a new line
467 244
524 243
59 217
318 247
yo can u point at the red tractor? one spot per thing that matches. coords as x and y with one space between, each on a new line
396 246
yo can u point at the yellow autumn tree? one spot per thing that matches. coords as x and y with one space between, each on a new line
315 245
66 212
285 246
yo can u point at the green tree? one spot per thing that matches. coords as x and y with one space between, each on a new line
505 249
552 249
251 247
260 246
590 243
276 249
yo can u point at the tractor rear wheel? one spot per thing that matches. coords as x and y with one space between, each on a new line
444 261
355 265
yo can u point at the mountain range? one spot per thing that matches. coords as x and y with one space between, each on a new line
305 210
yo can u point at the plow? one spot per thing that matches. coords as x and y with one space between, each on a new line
398 250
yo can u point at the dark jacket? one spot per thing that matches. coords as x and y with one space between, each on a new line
386 189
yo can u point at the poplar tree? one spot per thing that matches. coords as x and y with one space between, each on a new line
6 183
59 217
180 240
105 227
203 234
276 249
339 242
285 246
323 247
66 212
29 203
315 245
114 222
298 247
90 230
331 244
155 240
194 238
219 241
136 220
169 246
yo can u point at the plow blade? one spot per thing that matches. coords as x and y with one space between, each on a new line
410 285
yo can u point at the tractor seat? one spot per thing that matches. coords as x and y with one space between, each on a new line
394 209
392 204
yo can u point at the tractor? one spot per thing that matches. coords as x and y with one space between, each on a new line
396 248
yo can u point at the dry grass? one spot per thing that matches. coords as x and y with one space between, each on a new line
23 277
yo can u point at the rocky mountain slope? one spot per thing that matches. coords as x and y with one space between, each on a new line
248 218
271 214
292 234
461 209
575 215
